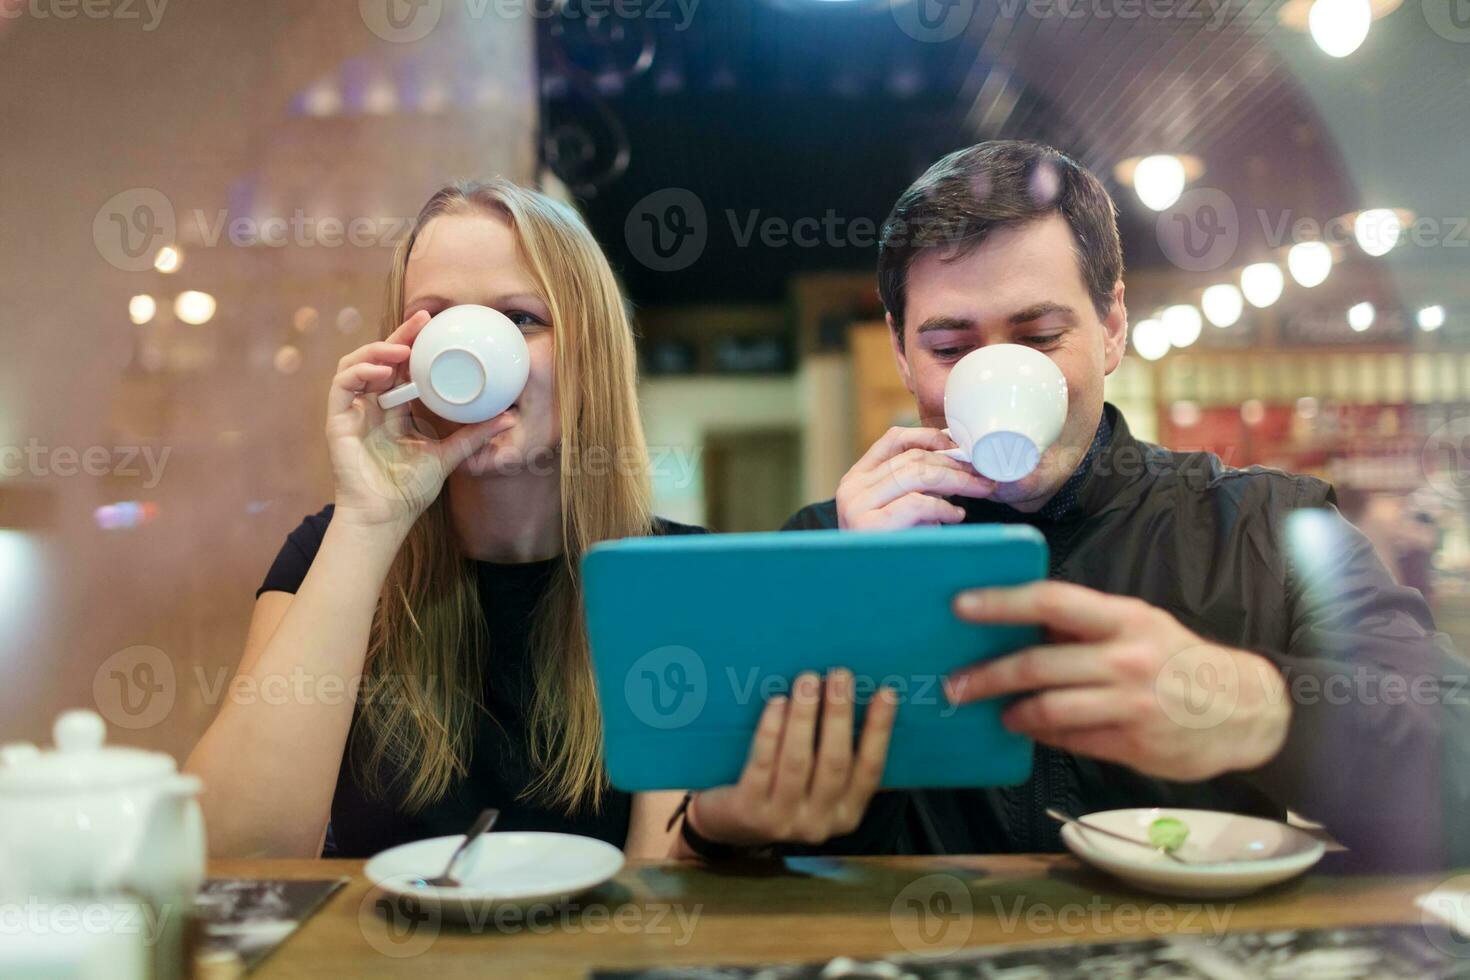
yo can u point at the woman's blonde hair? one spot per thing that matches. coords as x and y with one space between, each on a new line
428 653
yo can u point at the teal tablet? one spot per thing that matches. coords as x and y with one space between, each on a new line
692 635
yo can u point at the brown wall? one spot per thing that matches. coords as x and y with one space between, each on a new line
199 109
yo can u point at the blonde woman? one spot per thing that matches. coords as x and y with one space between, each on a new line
444 580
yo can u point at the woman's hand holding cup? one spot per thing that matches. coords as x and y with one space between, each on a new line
388 464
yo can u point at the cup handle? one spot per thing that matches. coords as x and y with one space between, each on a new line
401 395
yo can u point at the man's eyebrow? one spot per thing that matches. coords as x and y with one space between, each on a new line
1033 313
945 323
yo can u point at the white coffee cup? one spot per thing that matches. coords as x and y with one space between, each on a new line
1005 405
468 364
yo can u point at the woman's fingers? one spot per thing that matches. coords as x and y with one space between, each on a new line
760 766
378 352
834 750
872 750
409 329
465 441
798 735
358 379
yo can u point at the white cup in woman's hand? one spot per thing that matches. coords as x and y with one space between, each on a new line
468 364
1005 405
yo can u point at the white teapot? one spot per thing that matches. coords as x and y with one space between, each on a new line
89 819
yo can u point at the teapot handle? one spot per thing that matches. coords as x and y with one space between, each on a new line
171 854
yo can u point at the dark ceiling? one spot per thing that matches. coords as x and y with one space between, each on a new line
795 109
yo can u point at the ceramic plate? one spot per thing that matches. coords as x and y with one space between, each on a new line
1228 854
502 868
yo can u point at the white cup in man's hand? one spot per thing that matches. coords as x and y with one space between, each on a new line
1005 405
468 364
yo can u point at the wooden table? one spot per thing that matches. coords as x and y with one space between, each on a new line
668 914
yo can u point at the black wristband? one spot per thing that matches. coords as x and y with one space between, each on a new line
708 849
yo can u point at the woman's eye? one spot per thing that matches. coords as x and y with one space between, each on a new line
523 319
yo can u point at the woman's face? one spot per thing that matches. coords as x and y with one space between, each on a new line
474 259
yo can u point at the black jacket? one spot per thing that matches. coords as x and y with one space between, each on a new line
1379 742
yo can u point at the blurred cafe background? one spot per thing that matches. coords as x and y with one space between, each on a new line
201 200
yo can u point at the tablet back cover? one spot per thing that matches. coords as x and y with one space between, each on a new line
692 635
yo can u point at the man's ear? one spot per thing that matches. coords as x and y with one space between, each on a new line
900 355
1115 331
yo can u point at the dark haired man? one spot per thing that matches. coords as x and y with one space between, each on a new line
1217 638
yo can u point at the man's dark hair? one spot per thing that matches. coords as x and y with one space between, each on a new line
960 200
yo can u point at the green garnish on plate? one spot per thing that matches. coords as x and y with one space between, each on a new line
1168 833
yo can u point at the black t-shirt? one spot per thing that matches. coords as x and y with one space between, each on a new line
500 765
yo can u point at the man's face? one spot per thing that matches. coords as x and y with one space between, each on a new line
1024 285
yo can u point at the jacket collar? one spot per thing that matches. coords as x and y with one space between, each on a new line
1104 471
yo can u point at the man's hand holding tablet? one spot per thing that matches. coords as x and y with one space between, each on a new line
1118 681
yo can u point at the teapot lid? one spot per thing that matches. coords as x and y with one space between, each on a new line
80 760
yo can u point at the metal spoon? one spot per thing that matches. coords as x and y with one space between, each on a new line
1061 817
482 825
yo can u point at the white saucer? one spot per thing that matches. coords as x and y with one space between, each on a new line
504 868
1228 854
